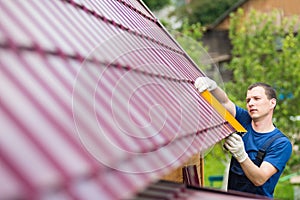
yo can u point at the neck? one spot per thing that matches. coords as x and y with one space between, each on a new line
263 126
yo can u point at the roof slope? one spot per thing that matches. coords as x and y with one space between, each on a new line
97 100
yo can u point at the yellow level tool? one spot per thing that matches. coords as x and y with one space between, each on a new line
222 111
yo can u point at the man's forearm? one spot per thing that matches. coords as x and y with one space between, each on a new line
258 175
205 83
222 97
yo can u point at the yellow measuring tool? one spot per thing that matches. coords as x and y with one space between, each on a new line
222 111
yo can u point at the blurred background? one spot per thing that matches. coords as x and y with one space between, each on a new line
238 42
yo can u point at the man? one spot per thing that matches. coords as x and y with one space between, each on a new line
246 174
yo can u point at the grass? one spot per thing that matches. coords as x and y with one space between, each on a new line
213 166
284 190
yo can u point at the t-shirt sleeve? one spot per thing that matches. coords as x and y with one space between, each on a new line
242 116
279 153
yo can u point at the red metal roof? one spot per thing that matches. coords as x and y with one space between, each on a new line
171 190
96 100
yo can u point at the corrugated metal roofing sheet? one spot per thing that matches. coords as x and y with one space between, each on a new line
96 100
171 190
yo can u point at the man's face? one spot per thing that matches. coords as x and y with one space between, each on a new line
258 104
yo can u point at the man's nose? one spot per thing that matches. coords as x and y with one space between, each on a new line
250 102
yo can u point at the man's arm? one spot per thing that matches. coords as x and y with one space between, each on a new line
205 83
257 175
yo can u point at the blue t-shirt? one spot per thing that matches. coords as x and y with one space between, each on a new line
277 154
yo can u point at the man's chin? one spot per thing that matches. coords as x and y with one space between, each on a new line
254 116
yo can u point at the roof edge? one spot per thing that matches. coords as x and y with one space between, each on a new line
226 13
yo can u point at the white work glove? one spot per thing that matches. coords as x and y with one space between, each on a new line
205 83
234 143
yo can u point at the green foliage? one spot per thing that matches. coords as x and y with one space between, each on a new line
203 11
194 31
284 190
154 5
264 52
189 36
267 50
214 164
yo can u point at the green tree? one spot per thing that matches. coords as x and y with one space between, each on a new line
189 37
267 50
157 4
202 11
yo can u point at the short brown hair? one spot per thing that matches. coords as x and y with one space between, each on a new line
269 90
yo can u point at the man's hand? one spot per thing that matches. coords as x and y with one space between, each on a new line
234 143
205 83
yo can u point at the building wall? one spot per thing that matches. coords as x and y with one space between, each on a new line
289 8
177 175
217 39
219 48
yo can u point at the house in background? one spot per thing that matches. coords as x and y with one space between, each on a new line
216 37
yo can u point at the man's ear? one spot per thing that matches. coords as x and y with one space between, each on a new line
273 103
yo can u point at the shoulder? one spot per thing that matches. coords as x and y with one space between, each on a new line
240 110
281 146
279 152
242 116
281 138
282 142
